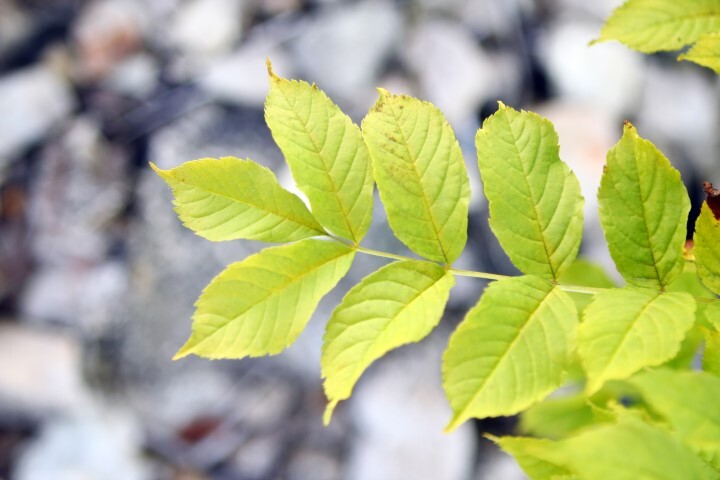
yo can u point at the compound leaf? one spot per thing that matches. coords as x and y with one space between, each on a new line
630 450
705 52
260 305
689 403
534 455
707 248
421 176
624 330
643 210
655 25
400 303
536 209
230 198
511 350
326 154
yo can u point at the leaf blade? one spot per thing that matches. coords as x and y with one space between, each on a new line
229 198
510 351
705 52
656 25
707 248
326 154
536 208
624 330
400 303
643 211
421 175
260 305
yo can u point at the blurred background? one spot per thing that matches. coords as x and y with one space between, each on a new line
98 277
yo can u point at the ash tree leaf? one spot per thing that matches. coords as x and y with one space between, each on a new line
587 274
230 198
656 25
532 454
688 401
643 210
624 330
707 247
536 208
511 350
400 303
559 416
326 154
711 355
630 450
420 174
260 305
705 52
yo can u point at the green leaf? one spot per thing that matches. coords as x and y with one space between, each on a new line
230 198
534 457
711 356
643 210
260 305
707 248
511 350
326 154
689 403
624 330
558 417
630 450
421 176
536 209
655 25
586 274
705 52
400 303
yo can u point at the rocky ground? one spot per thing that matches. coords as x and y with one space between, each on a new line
98 277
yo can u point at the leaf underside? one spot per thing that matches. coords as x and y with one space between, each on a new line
643 210
400 303
536 209
259 306
511 350
625 330
420 174
326 154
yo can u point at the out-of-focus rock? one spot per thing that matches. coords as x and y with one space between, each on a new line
40 372
15 25
207 27
33 101
99 443
485 17
310 464
241 77
106 33
135 76
501 465
394 407
454 73
599 9
344 48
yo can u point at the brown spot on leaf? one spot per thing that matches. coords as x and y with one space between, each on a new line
713 199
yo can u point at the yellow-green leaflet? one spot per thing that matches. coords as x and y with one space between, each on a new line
707 248
421 176
532 454
643 210
229 198
690 403
536 209
711 355
326 153
655 25
511 350
400 303
705 52
557 416
260 305
624 330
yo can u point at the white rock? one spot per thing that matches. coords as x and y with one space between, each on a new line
400 412
607 76
454 73
33 101
40 372
94 445
136 76
344 48
241 77
207 27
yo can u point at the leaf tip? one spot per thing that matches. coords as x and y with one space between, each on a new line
329 410
455 422
184 351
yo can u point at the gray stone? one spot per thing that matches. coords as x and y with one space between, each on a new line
206 27
33 101
135 76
